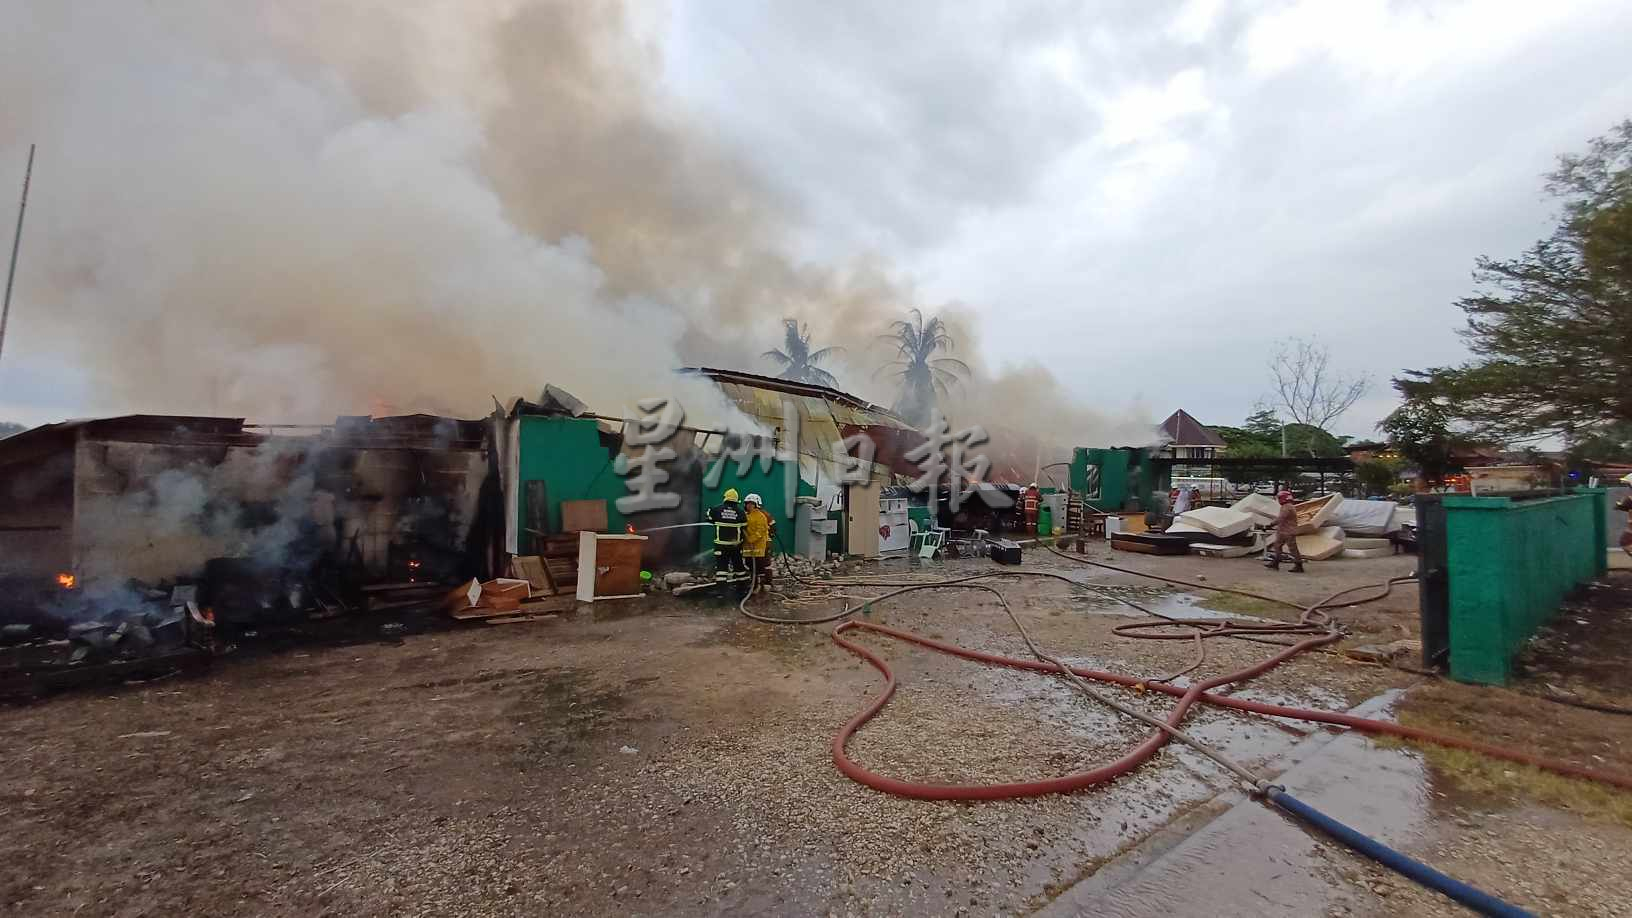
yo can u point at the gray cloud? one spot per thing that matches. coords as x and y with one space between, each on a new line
1157 195
1138 197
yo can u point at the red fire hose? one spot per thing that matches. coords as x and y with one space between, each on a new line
1151 744
1142 752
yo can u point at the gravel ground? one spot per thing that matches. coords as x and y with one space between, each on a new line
666 758
1541 859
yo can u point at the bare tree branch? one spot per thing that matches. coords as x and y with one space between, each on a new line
1306 385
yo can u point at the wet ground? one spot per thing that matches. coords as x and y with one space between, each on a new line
662 756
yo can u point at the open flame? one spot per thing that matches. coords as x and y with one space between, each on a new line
67 580
413 570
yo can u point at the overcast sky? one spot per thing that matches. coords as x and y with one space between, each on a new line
1145 195
1142 196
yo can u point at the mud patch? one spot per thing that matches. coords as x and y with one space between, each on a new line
556 711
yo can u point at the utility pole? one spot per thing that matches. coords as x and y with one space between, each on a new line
16 240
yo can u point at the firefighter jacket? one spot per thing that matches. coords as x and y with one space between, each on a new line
728 520
757 534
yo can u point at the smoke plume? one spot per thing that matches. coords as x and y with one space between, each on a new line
295 210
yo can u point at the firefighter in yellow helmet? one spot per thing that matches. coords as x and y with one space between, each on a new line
756 541
728 519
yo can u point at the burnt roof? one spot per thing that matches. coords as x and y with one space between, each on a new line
146 427
1184 430
410 430
414 430
789 386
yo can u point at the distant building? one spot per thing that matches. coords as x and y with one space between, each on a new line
1187 438
1368 450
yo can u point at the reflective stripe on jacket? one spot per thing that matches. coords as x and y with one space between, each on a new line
728 521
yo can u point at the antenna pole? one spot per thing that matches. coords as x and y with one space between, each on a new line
16 241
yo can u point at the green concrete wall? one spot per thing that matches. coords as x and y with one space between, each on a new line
567 455
1509 564
1124 475
1113 475
771 486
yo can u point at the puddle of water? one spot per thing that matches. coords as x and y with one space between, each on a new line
1102 601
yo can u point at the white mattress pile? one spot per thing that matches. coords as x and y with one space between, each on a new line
1219 521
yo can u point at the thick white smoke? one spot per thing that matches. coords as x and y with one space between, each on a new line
296 210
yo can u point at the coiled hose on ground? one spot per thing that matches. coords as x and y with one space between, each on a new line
1314 625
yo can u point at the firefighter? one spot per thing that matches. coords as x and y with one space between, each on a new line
1286 536
1028 502
759 533
728 520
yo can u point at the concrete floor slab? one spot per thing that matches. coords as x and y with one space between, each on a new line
1253 861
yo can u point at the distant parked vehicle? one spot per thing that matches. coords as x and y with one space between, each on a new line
1209 488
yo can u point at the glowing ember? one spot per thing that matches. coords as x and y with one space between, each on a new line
67 580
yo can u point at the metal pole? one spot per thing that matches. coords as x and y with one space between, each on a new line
16 240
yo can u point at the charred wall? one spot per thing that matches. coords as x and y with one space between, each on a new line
157 512
36 512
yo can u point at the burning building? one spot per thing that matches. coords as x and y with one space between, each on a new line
94 510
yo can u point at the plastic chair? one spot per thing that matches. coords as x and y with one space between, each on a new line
927 543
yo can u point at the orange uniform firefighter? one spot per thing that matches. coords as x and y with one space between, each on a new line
759 532
1286 536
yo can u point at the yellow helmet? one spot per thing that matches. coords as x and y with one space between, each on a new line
730 494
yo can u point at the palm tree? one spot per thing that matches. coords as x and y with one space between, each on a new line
798 361
922 374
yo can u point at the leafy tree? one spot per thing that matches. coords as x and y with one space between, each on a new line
1242 438
1245 443
921 374
1264 423
1551 330
798 361
1609 443
1378 476
1306 440
1420 431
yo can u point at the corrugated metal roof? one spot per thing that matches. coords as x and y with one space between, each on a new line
735 380
179 426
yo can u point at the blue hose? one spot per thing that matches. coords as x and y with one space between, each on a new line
1481 902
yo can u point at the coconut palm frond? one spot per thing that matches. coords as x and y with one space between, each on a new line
918 370
797 359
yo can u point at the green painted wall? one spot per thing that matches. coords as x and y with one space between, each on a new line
1124 475
567 455
772 486
1509 564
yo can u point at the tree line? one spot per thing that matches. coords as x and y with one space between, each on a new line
1550 332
